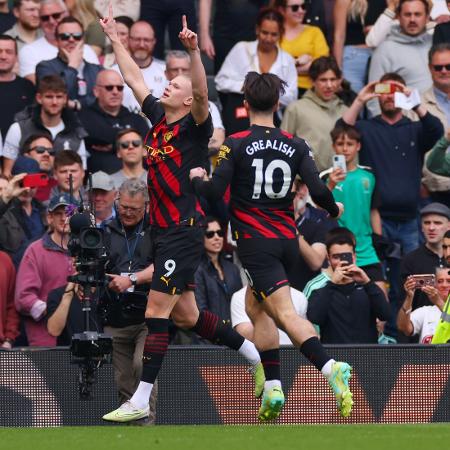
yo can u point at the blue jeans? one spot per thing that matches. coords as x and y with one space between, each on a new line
406 234
355 61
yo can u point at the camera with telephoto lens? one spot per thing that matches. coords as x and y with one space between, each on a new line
89 349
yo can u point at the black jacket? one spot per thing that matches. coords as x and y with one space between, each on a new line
347 313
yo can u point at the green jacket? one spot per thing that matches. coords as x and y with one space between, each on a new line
438 160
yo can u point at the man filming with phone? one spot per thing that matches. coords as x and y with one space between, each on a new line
348 306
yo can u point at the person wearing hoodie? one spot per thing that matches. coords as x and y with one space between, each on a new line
314 115
405 50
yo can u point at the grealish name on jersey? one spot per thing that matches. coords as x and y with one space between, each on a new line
257 146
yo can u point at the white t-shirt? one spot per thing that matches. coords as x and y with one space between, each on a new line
215 116
238 314
425 320
41 50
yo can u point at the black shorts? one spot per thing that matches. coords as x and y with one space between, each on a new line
374 272
176 255
266 263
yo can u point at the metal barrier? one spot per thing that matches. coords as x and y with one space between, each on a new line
210 385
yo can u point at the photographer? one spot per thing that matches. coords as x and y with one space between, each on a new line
348 306
127 238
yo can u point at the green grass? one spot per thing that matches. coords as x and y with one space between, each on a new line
313 437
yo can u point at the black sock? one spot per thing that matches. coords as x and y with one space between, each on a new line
218 331
271 362
314 351
155 348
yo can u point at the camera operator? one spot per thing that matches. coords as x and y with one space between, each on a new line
127 238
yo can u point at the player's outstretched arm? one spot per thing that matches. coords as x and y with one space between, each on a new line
199 108
128 68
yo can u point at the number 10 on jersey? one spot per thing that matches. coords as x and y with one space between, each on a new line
264 179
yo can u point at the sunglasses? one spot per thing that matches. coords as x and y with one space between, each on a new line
54 16
133 143
110 87
210 234
40 149
440 67
66 36
295 8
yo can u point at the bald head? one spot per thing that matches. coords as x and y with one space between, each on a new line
109 91
142 43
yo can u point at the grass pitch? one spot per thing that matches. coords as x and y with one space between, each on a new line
204 437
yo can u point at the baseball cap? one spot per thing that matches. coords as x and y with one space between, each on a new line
101 180
24 164
59 200
435 208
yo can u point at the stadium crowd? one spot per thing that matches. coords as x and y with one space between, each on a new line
368 87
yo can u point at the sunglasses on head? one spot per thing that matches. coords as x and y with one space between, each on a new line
440 67
110 87
41 149
295 8
133 143
210 234
66 36
54 16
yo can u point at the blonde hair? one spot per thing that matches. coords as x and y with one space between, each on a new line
358 10
85 12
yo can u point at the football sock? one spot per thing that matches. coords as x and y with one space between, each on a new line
271 362
314 351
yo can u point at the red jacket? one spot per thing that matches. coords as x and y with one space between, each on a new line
9 319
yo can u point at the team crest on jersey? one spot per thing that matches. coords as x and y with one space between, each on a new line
168 136
223 153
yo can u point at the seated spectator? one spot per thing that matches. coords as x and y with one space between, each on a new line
242 323
9 319
104 119
216 279
347 308
123 25
51 115
304 43
355 188
131 151
68 165
16 92
78 74
45 48
103 196
314 115
27 28
7 19
422 321
22 217
262 56
44 267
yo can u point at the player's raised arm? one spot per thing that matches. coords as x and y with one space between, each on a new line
128 68
199 108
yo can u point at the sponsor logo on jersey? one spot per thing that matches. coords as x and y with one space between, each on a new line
223 153
159 154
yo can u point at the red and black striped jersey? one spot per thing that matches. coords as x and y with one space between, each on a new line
172 150
261 164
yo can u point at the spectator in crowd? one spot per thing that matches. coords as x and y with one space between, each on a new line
347 308
442 30
216 278
405 49
22 217
44 48
314 115
304 42
438 160
16 92
232 22
78 74
7 19
84 11
44 267
131 151
141 44
178 62
9 319
261 56
435 219
104 119
68 165
242 323
355 188
128 8
352 19
131 268
27 28
103 196
162 15
123 24
423 320
49 115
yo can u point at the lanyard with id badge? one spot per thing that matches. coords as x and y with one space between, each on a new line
131 250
